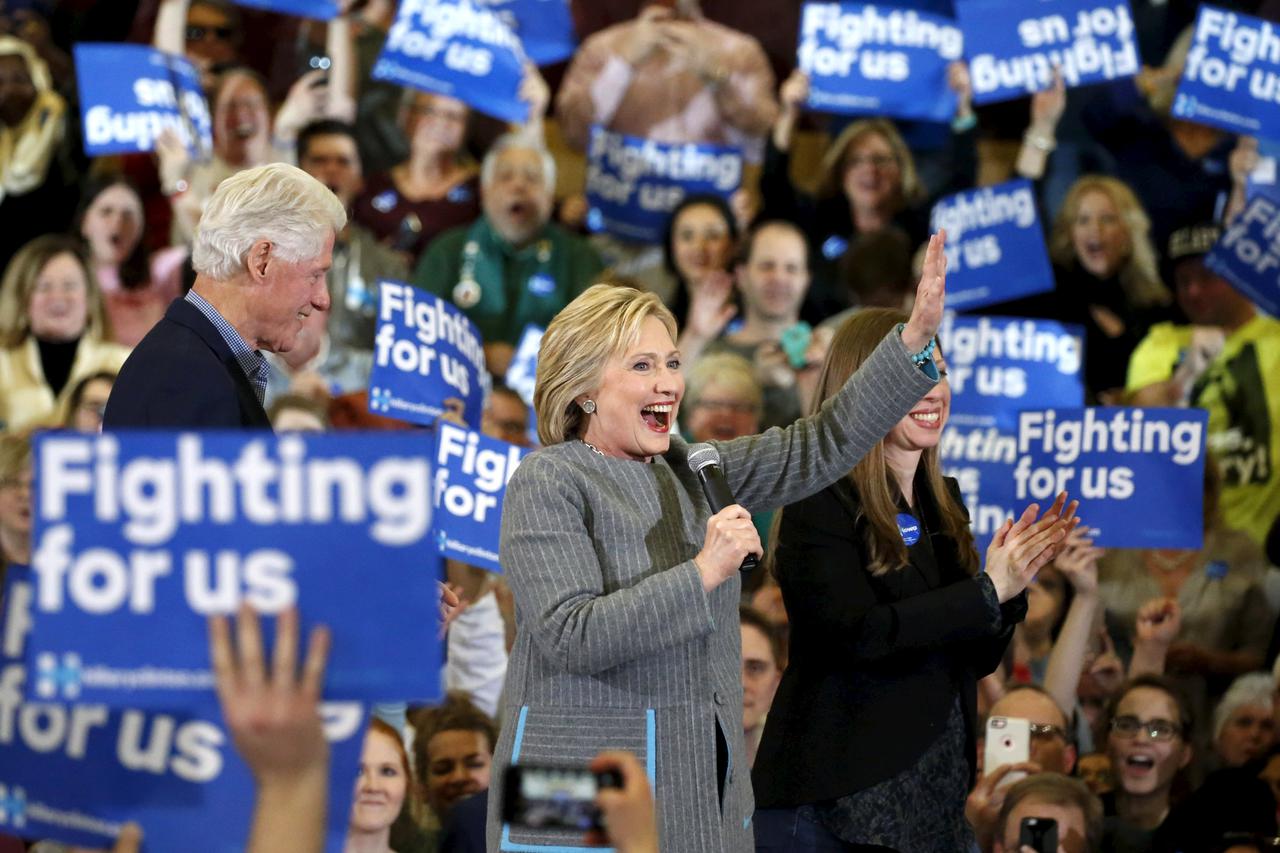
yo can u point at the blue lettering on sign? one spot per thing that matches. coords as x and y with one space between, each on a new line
1248 253
995 246
1231 77
426 353
1014 46
457 48
909 527
873 58
633 184
129 94
1119 462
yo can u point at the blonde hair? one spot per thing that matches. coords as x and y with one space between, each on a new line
15 453
601 322
1138 275
277 202
722 368
20 282
831 174
852 345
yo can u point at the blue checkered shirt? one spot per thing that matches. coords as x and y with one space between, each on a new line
251 361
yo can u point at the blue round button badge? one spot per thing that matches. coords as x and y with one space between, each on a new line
541 284
909 527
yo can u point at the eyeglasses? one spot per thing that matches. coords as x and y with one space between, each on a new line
1128 726
880 161
1045 731
197 32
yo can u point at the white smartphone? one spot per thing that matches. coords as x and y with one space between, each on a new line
1008 742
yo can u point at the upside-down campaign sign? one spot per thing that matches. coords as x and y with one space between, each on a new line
321 10
76 771
633 183
130 93
458 48
472 472
1014 45
426 353
1138 473
997 366
878 58
1231 78
995 246
544 27
140 536
1248 252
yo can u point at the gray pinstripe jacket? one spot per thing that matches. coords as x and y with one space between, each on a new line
618 646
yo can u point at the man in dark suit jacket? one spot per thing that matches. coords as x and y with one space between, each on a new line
263 247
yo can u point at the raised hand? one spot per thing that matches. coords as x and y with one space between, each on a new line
926 314
1159 621
1047 106
794 92
710 308
959 82
1021 548
1078 561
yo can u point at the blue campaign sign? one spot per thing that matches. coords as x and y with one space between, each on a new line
522 374
1248 252
633 183
1123 464
1231 78
544 27
879 59
981 459
1014 45
75 771
321 10
458 48
426 353
472 472
139 536
999 365
129 93
995 246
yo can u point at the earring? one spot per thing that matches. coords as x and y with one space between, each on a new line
589 406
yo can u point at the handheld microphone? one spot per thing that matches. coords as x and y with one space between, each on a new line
704 460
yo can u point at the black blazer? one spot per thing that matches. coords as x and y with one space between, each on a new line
183 375
876 663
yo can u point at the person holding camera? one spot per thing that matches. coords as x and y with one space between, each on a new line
870 741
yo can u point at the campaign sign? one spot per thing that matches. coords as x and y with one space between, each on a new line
879 59
633 183
426 353
1231 78
472 472
76 771
544 27
999 365
140 536
522 374
995 246
1248 252
320 10
1263 176
458 48
1013 46
981 459
130 93
1138 473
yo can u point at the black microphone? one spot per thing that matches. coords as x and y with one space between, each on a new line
705 462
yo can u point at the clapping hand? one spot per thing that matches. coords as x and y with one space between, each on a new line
1078 561
1021 548
926 314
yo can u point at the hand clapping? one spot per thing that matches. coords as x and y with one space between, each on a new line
1021 548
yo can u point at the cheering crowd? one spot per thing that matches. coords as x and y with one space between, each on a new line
791 325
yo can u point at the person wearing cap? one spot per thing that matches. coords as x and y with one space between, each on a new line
1228 362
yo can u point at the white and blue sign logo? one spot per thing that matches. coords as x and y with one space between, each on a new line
426 353
13 806
458 48
58 676
633 184
995 246
130 93
879 59
1013 46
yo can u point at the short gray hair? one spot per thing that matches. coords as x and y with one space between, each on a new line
518 140
1252 688
277 202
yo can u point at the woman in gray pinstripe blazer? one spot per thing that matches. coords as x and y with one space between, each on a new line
627 586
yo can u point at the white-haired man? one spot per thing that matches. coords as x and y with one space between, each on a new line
512 266
263 247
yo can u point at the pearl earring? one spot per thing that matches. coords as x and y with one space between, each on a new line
589 406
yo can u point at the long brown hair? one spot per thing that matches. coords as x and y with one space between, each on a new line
878 493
